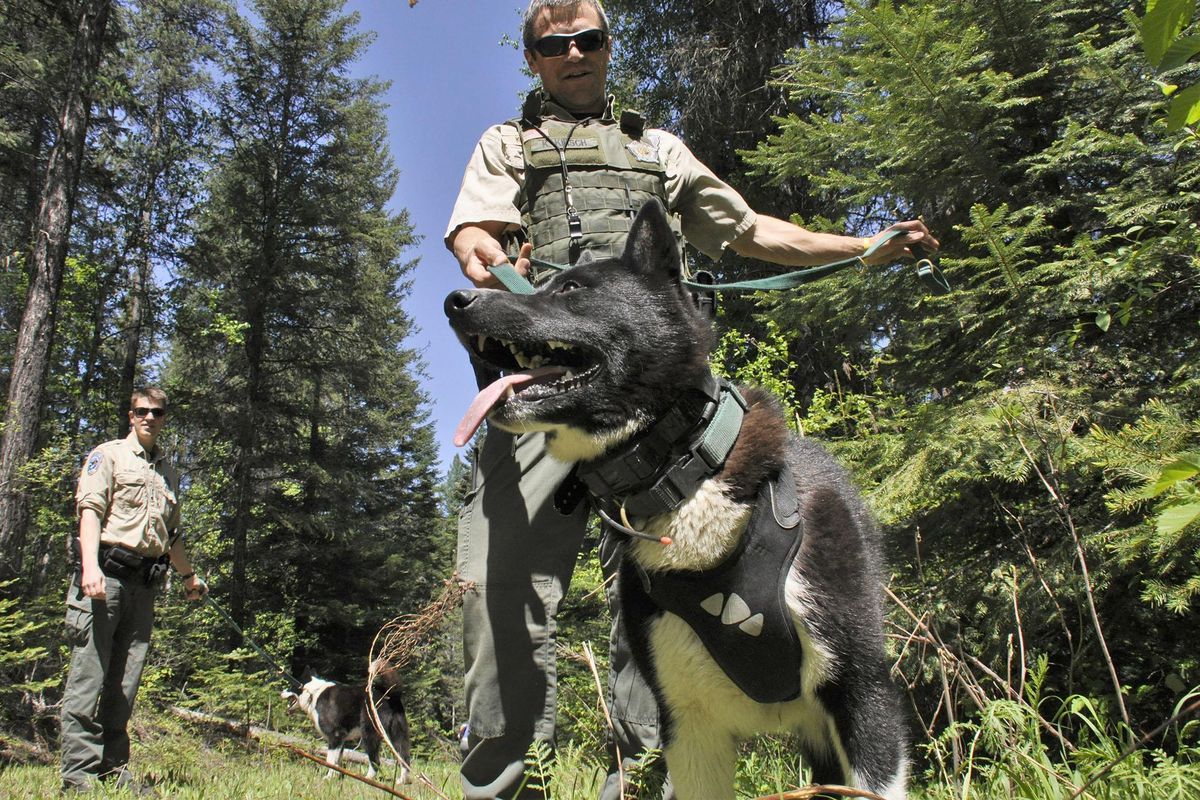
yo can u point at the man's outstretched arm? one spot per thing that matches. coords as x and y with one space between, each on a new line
781 242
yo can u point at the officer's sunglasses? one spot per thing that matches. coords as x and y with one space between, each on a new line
557 44
155 412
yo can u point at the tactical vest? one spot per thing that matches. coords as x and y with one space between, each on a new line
612 169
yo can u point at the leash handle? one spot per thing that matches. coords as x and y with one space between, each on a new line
929 272
514 281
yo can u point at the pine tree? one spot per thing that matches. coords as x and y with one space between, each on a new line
306 422
1028 137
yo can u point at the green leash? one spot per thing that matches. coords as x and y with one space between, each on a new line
263 653
927 270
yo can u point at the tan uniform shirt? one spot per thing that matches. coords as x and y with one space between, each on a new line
135 493
711 212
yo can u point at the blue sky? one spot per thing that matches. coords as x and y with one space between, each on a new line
451 78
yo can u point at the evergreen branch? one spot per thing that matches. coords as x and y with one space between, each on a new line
920 76
995 244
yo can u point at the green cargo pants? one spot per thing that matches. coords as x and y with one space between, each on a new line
519 552
110 640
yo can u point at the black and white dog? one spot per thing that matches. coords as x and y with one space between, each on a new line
341 715
750 579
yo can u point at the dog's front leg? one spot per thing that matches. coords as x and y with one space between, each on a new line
701 761
334 756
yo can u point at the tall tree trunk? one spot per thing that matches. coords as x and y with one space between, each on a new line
137 250
48 254
246 450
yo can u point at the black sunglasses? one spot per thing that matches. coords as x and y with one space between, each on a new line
557 44
155 412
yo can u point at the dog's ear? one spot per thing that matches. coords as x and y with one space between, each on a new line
651 247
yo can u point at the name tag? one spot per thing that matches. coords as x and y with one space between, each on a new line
540 145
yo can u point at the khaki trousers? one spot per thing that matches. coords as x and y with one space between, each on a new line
520 552
110 640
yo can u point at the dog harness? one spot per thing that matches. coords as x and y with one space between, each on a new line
738 609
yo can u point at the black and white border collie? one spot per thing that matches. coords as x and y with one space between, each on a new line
341 715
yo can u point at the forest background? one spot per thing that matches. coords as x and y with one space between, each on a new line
196 194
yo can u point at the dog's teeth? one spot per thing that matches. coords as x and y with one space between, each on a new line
509 393
558 345
480 342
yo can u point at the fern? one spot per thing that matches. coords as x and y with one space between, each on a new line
539 768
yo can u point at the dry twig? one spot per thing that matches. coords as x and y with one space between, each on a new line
397 643
809 792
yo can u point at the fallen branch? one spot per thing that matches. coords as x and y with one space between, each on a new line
267 737
383 787
813 791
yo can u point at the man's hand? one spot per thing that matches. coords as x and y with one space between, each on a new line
195 588
91 581
477 248
913 234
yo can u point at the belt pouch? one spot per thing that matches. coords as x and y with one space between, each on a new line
122 563
154 569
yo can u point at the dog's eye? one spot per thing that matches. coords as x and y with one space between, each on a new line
569 286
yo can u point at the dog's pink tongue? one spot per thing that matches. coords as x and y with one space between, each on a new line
491 394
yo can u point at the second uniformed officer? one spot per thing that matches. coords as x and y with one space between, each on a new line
127 500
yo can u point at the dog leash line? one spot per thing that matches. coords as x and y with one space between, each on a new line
927 270
265 655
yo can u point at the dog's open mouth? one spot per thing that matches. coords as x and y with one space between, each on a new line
532 371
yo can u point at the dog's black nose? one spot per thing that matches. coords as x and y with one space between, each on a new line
459 300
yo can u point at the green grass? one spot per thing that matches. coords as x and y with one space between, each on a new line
1006 756
196 762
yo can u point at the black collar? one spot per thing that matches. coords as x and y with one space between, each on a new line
658 470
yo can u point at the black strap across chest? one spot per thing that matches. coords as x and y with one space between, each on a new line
738 608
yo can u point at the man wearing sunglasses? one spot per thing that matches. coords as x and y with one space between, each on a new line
127 499
567 177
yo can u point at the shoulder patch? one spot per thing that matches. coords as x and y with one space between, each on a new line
94 461
644 150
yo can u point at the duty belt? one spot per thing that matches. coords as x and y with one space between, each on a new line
125 564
